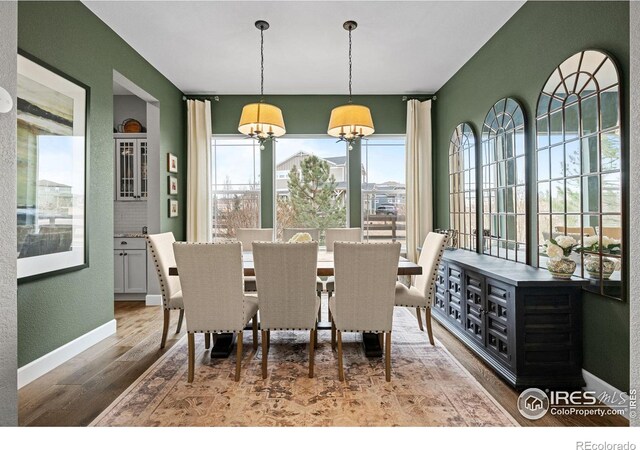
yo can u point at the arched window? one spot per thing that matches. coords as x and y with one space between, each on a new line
579 162
504 221
462 185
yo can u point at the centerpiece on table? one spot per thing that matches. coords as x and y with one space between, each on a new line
592 248
558 250
300 238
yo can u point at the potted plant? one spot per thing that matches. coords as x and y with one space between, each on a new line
558 250
592 248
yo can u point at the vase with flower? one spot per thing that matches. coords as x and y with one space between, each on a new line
299 238
592 248
559 249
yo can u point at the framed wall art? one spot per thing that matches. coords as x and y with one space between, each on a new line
172 185
172 163
51 170
173 208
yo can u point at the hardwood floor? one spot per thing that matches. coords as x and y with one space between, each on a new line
508 396
77 391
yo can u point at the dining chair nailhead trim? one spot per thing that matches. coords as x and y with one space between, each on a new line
165 301
287 329
434 275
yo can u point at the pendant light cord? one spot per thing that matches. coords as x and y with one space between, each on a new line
350 65
261 64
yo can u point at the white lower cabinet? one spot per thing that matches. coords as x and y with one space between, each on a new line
130 266
118 272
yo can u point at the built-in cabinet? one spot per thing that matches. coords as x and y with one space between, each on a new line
131 167
130 265
518 319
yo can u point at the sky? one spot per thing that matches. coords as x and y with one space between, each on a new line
61 159
383 159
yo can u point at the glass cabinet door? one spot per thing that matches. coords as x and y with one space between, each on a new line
126 171
131 169
142 149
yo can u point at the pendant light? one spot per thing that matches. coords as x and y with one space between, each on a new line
350 122
261 120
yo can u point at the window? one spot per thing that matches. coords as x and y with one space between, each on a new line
384 189
235 180
310 184
579 161
462 185
504 227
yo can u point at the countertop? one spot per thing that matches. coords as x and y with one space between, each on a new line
510 272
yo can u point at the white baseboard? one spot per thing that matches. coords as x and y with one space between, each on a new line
599 386
153 300
48 362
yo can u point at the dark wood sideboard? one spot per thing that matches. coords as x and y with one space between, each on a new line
523 323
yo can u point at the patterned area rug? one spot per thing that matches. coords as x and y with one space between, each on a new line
428 387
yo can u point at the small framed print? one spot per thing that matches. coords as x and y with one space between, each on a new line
173 208
172 185
172 163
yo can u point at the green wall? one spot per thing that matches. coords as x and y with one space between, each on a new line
67 36
516 62
309 115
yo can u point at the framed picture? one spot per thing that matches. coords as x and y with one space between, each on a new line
51 170
172 185
173 208
172 163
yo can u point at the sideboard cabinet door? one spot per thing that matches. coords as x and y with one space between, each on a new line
454 289
474 306
499 312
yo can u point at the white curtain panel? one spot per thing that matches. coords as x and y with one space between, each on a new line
199 171
419 175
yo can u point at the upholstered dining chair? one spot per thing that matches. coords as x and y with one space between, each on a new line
214 302
342 235
420 294
365 281
247 236
286 281
161 248
288 233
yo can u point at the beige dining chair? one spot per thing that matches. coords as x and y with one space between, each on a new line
286 281
288 233
339 235
420 294
247 236
365 281
214 302
161 248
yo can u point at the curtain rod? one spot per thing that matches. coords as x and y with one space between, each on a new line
420 97
404 97
214 97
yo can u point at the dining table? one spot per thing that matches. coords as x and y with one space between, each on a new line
223 343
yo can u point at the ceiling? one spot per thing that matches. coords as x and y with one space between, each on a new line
213 47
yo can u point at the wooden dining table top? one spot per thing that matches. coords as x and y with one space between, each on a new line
325 265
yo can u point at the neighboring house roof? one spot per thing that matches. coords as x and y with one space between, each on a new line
332 160
49 183
337 160
302 154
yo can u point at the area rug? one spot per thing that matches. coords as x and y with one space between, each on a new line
428 387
